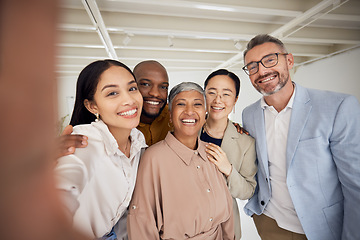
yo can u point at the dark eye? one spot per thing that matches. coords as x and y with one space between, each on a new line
133 89
270 59
165 87
198 104
252 67
211 93
112 94
144 84
180 104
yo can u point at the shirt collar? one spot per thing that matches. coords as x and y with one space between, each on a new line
184 153
264 105
111 146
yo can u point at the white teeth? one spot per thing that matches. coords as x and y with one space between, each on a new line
188 120
217 108
128 113
153 103
268 79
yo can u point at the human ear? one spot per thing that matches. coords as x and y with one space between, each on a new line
290 60
91 106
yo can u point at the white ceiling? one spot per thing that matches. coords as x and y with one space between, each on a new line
200 35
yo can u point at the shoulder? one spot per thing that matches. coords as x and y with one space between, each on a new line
155 150
252 107
88 130
325 101
322 96
242 139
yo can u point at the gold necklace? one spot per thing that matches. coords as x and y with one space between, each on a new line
206 129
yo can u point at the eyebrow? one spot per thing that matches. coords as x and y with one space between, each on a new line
109 86
116 86
148 80
183 99
225 89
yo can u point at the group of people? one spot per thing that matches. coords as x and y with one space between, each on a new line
144 164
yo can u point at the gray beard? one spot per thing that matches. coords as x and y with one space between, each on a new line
278 87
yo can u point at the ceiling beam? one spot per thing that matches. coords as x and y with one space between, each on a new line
286 27
97 20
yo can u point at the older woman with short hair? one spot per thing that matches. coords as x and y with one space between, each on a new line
179 193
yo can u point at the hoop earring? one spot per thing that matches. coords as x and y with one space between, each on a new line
97 117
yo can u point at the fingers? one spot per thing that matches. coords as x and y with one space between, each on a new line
68 143
67 130
217 156
214 151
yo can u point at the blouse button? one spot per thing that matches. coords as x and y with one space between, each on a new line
133 207
208 190
195 152
198 167
210 219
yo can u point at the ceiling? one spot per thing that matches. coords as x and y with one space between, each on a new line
200 35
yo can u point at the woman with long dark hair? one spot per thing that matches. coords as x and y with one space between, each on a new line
97 181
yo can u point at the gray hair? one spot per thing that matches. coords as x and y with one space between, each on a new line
184 87
261 39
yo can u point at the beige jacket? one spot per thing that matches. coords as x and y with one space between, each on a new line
240 151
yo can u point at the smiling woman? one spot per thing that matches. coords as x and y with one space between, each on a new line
179 193
97 182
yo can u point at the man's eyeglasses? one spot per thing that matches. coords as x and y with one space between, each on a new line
267 61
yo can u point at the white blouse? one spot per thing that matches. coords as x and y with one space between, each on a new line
98 181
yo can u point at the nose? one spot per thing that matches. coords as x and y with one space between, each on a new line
262 70
217 98
154 91
128 99
189 109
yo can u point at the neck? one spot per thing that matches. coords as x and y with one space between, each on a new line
280 99
190 142
122 138
216 127
146 119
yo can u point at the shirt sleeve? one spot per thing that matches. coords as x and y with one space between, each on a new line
228 227
345 149
241 182
71 175
145 215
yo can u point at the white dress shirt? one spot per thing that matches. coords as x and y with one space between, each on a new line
98 181
280 206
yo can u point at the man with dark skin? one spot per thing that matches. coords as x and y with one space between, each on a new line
153 83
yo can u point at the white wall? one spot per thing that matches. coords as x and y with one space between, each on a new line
338 73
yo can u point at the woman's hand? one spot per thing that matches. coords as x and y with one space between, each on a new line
217 156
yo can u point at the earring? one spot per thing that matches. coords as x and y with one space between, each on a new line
97 117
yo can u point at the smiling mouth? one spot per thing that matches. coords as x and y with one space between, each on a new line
267 78
218 108
188 121
128 113
153 103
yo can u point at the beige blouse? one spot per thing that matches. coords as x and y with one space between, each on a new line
179 194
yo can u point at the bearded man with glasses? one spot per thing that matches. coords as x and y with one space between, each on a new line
308 152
